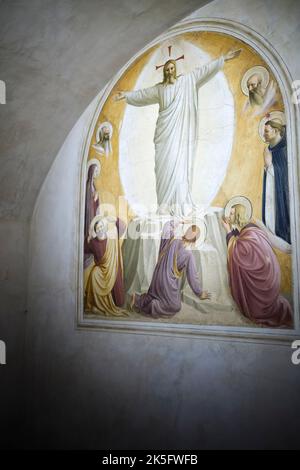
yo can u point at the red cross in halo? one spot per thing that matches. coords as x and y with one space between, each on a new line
178 58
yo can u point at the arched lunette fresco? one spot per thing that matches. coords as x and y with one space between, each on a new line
229 32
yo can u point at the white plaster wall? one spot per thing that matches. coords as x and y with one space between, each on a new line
278 22
55 56
89 389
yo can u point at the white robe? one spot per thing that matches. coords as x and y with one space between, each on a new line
270 210
175 133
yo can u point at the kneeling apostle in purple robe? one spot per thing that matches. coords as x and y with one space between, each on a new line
175 258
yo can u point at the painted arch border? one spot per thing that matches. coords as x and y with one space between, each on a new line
215 332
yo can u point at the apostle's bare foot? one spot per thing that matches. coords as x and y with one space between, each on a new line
205 295
132 302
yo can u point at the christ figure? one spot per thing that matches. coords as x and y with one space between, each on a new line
176 129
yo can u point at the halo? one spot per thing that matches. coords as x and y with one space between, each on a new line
104 124
97 218
109 226
182 228
96 162
273 116
175 52
258 69
242 200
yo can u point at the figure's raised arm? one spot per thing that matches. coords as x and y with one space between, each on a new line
206 72
232 54
143 97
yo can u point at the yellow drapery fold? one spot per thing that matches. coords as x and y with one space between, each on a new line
102 280
177 272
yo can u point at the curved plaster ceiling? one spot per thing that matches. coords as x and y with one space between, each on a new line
55 57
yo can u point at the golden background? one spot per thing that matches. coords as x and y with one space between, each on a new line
245 170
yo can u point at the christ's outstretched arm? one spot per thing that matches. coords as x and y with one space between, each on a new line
206 72
143 97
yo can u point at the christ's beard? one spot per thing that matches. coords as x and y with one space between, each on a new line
169 79
256 97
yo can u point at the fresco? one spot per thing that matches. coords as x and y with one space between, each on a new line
187 216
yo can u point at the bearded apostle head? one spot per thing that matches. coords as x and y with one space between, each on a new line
256 90
261 91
